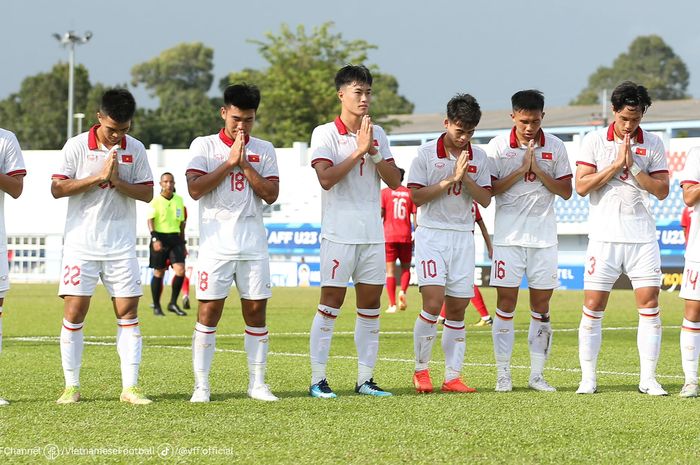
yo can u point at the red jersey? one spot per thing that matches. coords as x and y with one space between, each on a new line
397 206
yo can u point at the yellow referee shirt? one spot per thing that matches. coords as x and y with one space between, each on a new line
167 214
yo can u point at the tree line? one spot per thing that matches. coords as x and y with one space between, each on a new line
296 84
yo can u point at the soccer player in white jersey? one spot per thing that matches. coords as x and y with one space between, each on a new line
528 169
104 172
446 176
231 174
12 174
690 287
619 166
350 155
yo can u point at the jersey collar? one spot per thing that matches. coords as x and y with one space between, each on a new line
639 136
340 126
514 144
442 151
92 139
227 140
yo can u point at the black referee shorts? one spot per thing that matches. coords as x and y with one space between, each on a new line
173 249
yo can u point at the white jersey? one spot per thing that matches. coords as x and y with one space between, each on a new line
620 211
231 215
691 175
525 212
11 164
101 222
453 209
351 209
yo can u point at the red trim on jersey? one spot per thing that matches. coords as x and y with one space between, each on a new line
369 317
340 126
442 152
273 178
92 139
514 144
688 328
414 185
227 140
326 314
146 183
453 327
659 171
568 176
688 181
639 137
60 177
17 173
430 322
592 165
251 333
195 171
72 329
317 160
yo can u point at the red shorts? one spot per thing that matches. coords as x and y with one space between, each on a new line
400 250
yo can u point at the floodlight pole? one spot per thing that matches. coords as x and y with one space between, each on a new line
69 39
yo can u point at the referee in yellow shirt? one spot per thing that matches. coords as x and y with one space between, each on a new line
166 221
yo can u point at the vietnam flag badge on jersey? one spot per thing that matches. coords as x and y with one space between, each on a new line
471 169
546 155
126 158
254 158
641 151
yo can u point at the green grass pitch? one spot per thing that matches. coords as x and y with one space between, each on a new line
617 425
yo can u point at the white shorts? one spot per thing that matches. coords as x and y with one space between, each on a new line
4 274
606 260
364 263
446 258
215 277
510 264
121 278
690 285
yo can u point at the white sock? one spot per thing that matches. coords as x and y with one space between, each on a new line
453 345
503 335
203 346
71 351
424 334
648 342
129 350
590 336
320 340
539 340
690 349
366 342
255 341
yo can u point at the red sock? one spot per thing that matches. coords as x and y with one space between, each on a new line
186 286
442 311
478 302
405 278
391 289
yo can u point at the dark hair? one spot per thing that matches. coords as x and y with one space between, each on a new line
243 96
403 172
167 173
529 100
352 73
629 94
464 110
118 104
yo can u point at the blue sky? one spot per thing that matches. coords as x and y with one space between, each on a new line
435 49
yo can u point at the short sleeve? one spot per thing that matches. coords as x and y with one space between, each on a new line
322 148
562 167
493 158
658 162
69 165
198 157
691 171
418 174
269 169
13 162
586 156
142 171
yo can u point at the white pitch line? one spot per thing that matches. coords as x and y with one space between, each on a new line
306 334
348 357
